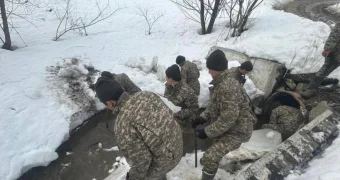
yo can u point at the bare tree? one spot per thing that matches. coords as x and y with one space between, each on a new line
201 11
68 22
149 17
239 12
7 43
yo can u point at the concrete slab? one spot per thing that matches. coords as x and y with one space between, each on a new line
264 72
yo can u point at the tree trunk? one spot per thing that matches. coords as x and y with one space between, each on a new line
202 17
7 44
213 16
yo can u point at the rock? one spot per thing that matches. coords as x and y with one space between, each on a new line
290 83
75 61
319 109
301 87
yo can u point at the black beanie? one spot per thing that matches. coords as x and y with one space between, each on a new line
108 89
180 59
107 74
173 72
217 61
248 66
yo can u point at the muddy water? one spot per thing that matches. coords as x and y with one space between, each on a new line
80 157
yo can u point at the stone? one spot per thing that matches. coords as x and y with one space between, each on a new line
319 109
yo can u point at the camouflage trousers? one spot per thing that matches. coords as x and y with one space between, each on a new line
329 66
196 87
217 151
158 169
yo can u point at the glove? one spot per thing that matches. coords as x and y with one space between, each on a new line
127 176
197 121
200 133
176 115
243 80
325 53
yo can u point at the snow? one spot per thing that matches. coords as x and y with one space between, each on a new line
334 8
37 112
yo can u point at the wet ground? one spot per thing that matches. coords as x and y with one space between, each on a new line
313 9
81 158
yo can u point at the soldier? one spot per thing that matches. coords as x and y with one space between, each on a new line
146 133
241 71
189 73
124 80
286 120
229 112
331 53
180 94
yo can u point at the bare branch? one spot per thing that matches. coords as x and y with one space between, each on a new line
150 19
71 24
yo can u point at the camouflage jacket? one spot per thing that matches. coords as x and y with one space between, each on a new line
238 76
333 41
190 75
126 83
285 119
146 132
229 109
183 96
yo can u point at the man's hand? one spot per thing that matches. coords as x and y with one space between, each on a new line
325 53
177 115
197 121
200 133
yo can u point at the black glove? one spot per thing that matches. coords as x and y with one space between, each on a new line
127 176
200 133
197 121
243 80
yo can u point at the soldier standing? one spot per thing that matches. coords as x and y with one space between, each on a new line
189 73
230 114
180 94
286 120
146 133
241 71
331 53
124 81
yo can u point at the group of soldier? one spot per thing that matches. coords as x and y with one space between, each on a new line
149 134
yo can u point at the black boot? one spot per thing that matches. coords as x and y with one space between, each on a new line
312 87
207 176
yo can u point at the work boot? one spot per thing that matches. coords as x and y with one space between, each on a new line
312 87
207 176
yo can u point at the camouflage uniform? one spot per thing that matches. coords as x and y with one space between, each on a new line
333 60
232 119
238 76
147 135
190 75
183 96
126 83
285 119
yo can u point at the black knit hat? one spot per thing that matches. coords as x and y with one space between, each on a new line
180 59
248 66
108 89
107 74
217 61
173 72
